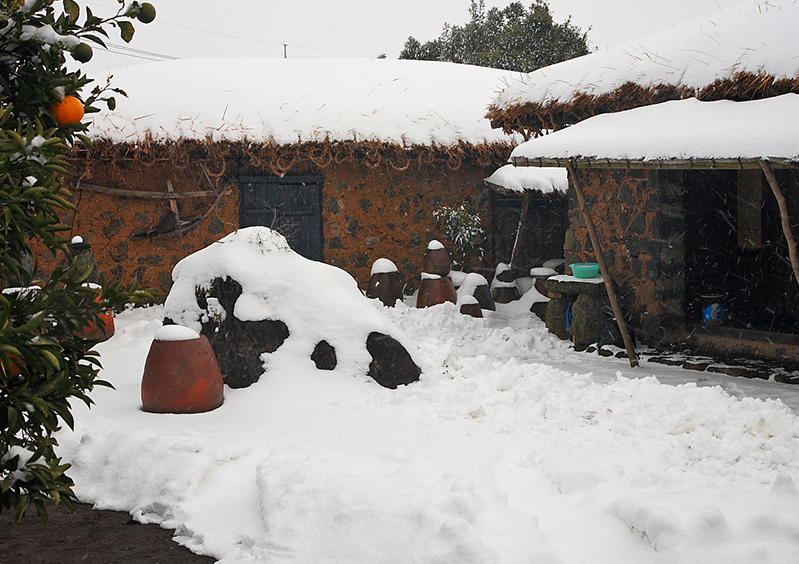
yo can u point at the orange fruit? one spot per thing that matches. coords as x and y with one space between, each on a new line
82 53
70 110
16 364
146 13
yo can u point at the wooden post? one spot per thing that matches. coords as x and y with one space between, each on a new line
785 220
600 258
517 243
173 203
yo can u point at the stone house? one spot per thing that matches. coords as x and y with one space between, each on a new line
685 146
347 158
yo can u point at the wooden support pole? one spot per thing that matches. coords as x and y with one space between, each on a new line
517 243
173 205
785 219
600 258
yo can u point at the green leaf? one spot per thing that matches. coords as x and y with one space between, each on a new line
126 31
72 9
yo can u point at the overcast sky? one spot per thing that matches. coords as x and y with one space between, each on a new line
356 28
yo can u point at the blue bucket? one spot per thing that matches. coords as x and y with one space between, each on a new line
712 309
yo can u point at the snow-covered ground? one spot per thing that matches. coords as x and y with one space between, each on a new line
512 448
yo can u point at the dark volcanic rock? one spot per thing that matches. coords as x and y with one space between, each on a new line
324 356
238 345
391 364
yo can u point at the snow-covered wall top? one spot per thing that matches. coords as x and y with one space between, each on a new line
757 36
516 179
681 129
291 100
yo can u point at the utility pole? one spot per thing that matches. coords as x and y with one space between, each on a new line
285 55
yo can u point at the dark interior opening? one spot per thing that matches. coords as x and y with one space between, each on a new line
735 247
544 233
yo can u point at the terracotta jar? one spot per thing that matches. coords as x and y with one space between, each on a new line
471 307
435 290
181 374
436 259
385 282
102 331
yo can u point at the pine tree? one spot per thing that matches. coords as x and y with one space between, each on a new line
513 38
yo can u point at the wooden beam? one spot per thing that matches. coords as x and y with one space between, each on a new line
664 164
614 303
144 194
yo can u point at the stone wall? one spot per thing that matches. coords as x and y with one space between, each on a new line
368 212
384 213
640 222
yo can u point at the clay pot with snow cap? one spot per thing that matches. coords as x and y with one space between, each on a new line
435 290
503 287
470 306
181 374
436 259
385 282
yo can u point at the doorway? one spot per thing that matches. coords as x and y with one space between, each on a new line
291 205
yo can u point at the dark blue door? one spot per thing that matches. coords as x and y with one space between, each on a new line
291 205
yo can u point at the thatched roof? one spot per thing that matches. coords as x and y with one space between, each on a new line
676 134
747 52
291 101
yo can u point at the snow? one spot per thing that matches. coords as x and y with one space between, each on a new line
175 333
435 245
682 129
511 448
316 301
546 180
570 278
757 36
302 100
383 266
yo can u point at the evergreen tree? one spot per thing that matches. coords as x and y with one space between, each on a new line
45 358
513 38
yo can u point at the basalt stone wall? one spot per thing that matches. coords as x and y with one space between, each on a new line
368 212
372 213
641 224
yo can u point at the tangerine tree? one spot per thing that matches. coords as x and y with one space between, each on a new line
45 360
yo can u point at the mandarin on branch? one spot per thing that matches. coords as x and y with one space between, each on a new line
69 110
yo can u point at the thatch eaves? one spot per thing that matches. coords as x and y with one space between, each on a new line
675 134
747 52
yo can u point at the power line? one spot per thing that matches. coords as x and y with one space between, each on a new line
264 41
143 55
139 53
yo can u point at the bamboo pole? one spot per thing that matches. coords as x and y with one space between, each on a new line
614 303
785 219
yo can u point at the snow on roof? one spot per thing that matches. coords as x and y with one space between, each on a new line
681 129
291 100
754 37
515 179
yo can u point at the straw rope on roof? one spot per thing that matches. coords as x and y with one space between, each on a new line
278 159
747 52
